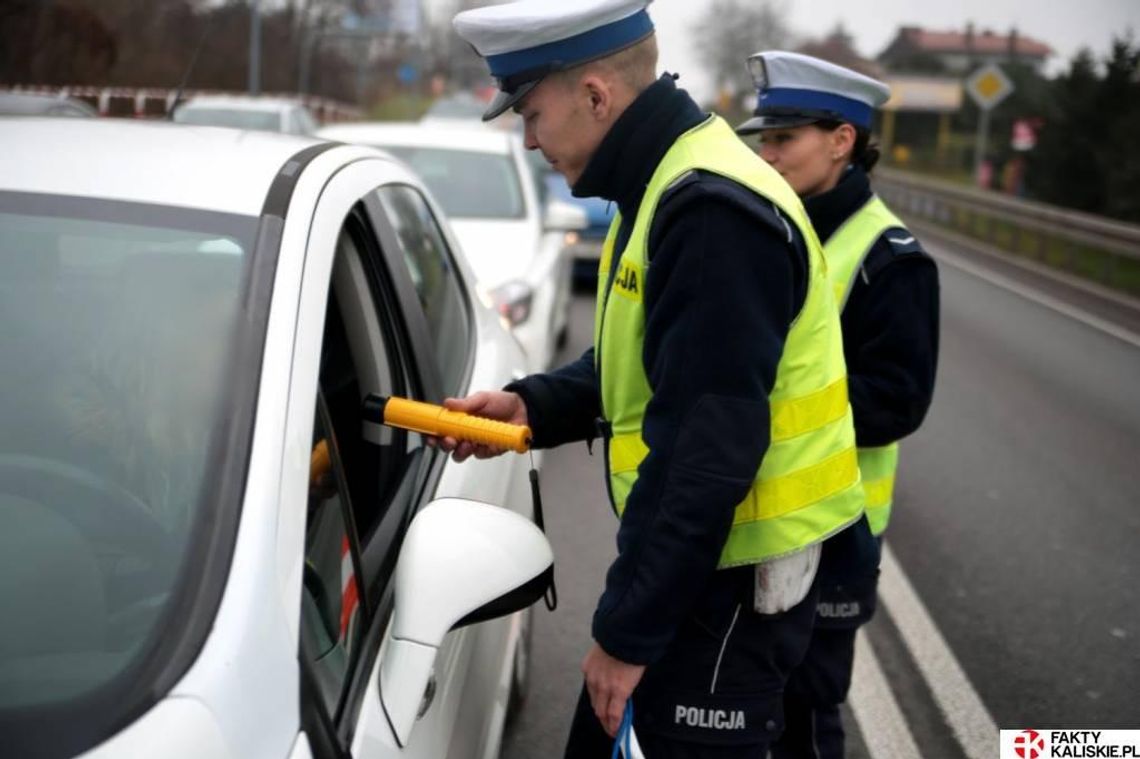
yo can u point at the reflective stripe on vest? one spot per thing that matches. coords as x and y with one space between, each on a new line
807 487
845 251
878 466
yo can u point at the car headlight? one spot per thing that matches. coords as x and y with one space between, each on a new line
513 301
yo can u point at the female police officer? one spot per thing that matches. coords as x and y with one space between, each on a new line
716 380
814 122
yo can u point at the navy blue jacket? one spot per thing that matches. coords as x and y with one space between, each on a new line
890 322
726 279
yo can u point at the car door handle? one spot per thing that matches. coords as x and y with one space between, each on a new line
429 696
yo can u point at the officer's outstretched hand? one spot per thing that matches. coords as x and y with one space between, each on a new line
610 683
490 404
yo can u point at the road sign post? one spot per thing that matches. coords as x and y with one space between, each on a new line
980 140
988 86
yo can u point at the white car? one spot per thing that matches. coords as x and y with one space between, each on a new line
462 106
488 190
251 113
207 548
37 104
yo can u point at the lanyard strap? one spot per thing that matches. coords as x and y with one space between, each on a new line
621 742
551 595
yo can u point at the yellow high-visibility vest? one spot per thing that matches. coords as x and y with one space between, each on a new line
807 487
845 251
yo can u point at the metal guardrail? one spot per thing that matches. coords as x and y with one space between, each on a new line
1026 227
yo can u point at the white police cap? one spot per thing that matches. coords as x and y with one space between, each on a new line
795 89
526 40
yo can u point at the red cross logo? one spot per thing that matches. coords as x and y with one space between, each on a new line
1029 744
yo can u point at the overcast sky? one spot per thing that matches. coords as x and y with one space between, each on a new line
1065 25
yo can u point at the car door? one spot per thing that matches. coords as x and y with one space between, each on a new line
474 703
359 484
368 325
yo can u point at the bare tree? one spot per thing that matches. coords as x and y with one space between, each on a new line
731 31
838 46
145 43
450 56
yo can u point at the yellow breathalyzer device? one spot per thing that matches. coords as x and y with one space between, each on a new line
430 419
437 421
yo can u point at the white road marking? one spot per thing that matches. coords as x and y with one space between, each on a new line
884 728
959 703
1040 298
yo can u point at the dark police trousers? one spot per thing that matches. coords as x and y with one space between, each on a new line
816 688
718 690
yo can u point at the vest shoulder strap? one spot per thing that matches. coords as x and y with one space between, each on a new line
850 247
894 245
712 147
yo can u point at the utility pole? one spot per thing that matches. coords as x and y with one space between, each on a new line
254 47
308 43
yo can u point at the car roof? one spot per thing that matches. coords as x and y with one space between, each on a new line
30 103
239 103
207 168
454 136
461 105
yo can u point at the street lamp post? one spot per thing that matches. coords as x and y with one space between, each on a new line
254 47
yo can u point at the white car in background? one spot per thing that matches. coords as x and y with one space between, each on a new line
37 104
487 188
462 106
207 549
252 113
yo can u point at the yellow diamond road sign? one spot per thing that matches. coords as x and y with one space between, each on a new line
988 86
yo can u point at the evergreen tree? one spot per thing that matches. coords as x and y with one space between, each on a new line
1087 156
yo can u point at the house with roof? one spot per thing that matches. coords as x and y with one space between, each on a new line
928 51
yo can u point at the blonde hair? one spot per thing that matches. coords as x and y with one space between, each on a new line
634 66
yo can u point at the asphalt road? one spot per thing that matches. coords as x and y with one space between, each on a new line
1020 508
1010 600
581 526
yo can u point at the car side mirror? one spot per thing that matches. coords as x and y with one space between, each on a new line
564 217
462 562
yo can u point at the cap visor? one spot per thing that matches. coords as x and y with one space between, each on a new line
760 123
504 100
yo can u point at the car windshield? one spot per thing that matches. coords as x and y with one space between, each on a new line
117 323
469 185
236 118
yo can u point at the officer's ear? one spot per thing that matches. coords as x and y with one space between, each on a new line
599 94
843 140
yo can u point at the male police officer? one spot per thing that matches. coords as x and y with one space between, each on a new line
814 119
716 380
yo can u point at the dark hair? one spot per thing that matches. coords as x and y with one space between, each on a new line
865 153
